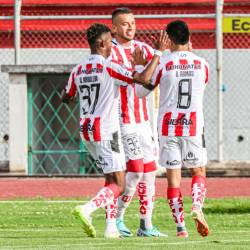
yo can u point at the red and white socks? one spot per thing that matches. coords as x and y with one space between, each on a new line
198 191
176 205
103 198
111 211
146 193
132 179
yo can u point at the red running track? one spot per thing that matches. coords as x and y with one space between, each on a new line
11 188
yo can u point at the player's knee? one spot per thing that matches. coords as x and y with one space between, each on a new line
198 171
136 175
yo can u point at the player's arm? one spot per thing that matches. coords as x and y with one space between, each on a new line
206 72
145 89
146 75
141 91
69 91
124 75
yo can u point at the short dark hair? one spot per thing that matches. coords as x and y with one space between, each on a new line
95 31
178 32
119 11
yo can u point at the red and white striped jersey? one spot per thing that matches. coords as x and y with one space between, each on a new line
132 108
97 81
182 77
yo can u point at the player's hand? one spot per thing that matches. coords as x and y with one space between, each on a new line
66 98
138 57
163 42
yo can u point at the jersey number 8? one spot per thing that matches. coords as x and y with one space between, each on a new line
184 93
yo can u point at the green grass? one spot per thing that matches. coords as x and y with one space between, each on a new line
41 224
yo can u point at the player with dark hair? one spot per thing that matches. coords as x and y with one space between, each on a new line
120 11
182 77
136 131
97 81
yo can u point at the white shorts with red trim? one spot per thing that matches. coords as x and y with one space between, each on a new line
177 152
139 147
109 155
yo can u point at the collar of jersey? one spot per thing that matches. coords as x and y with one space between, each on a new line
114 41
97 56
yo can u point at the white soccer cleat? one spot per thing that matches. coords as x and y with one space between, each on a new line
112 232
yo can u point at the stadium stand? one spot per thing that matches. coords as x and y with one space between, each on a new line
69 33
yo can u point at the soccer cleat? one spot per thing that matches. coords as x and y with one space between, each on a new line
85 220
112 233
152 232
182 232
123 230
200 222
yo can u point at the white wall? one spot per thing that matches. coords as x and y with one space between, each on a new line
236 100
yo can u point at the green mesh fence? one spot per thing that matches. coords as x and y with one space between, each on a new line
55 147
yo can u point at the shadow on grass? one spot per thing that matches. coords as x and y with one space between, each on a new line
227 206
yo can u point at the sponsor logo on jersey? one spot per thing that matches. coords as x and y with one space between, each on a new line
183 67
92 70
87 127
182 122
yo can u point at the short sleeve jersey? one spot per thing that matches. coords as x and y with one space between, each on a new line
132 109
97 81
182 77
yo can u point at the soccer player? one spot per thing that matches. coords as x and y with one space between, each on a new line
136 132
96 80
182 77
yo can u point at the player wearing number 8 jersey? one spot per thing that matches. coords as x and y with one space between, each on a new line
180 109
97 81
182 77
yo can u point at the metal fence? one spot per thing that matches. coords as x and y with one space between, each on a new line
227 129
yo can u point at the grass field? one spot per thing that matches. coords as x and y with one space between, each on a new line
43 224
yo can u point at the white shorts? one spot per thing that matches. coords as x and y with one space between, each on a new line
188 151
139 145
109 155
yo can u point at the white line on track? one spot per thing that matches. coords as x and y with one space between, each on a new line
90 245
74 230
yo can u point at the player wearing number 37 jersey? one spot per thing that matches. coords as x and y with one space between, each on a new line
97 81
182 77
